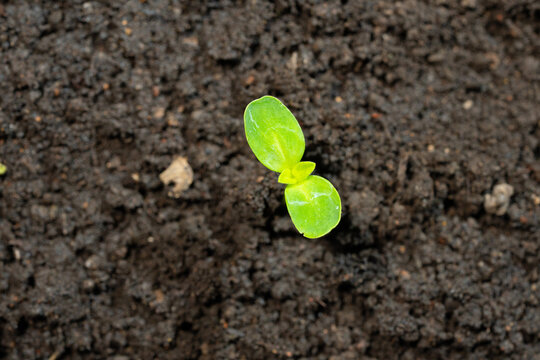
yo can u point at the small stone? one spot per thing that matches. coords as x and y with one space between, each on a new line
469 3
468 104
159 113
292 64
172 121
88 285
192 41
159 296
92 262
179 173
250 79
497 202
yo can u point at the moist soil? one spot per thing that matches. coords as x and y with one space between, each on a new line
414 110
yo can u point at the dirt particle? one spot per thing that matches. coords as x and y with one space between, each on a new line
159 296
180 173
437 57
292 64
92 262
54 355
468 104
249 80
204 348
159 113
105 86
192 41
494 59
338 99
469 3
155 91
128 31
404 274
88 285
497 202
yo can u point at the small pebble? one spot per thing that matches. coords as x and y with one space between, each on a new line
497 202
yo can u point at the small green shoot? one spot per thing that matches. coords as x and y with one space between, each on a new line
3 169
274 135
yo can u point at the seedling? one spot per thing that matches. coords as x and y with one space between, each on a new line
3 169
277 141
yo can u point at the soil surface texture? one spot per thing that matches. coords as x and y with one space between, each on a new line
415 110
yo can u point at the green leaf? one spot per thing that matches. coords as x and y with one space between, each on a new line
314 206
303 169
273 134
298 173
3 169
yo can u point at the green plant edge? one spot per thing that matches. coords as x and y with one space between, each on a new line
296 221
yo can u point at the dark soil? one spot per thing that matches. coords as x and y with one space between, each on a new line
413 109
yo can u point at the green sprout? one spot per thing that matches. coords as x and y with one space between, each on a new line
274 135
3 169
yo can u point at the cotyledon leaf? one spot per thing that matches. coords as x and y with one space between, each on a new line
273 133
314 206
